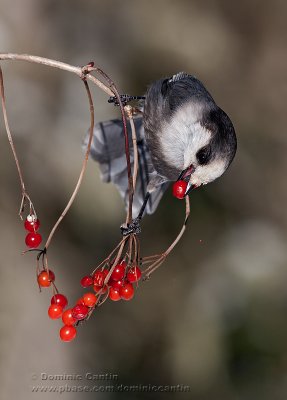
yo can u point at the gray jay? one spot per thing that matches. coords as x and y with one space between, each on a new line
182 134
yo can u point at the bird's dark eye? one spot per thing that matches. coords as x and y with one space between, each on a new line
203 155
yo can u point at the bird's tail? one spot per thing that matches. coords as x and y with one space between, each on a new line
108 149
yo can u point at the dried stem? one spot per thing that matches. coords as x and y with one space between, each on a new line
25 195
9 132
57 64
127 147
156 261
129 113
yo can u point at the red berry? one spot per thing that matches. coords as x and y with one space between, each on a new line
80 301
87 281
33 240
99 278
80 311
101 289
31 223
117 284
67 317
127 291
55 311
119 272
89 299
68 333
179 189
59 299
45 279
134 274
114 294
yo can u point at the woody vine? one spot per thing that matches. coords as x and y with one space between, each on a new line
121 272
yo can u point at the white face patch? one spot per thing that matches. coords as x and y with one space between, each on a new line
183 136
204 174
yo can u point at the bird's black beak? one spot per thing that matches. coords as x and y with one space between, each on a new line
185 175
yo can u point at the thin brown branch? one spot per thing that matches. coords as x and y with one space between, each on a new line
129 113
127 147
57 64
9 132
179 236
25 195
156 262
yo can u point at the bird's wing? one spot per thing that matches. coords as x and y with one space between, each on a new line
108 149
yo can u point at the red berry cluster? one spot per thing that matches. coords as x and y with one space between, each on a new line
120 284
79 312
33 238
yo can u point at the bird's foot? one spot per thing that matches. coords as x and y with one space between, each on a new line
132 228
125 98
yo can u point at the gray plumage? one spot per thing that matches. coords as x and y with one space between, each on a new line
108 149
183 133
184 127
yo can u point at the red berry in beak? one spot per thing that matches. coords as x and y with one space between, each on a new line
179 189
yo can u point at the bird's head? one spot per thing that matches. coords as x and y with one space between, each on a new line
209 148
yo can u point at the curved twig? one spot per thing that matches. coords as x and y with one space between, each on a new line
58 64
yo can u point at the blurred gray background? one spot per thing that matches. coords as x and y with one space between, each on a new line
214 317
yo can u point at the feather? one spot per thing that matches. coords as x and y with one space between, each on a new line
178 77
108 149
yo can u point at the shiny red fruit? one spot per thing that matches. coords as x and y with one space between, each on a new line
134 274
127 291
31 223
119 272
99 278
90 299
179 189
116 284
59 299
87 281
114 294
55 311
67 317
80 301
68 333
44 279
80 312
33 240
